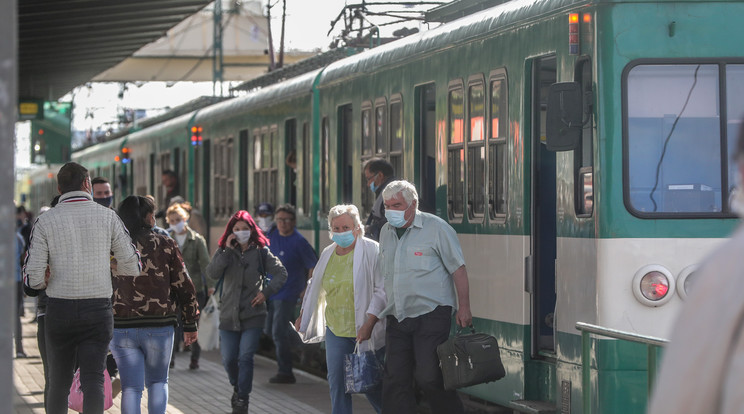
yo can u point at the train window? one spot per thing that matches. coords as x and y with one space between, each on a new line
265 173
476 163
396 134
368 198
677 154
325 181
290 161
366 129
583 156
380 126
497 146
223 178
307 181
455 151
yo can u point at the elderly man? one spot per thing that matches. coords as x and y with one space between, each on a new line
702 367
425 279
76 239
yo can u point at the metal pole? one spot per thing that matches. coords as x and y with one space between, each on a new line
586 384
8 102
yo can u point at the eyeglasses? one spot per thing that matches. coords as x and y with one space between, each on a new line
284 220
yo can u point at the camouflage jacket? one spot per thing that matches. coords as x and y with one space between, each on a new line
152 298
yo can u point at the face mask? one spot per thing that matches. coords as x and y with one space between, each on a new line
104 201
264 223
178 227
243 236
373 187
344 239
396 218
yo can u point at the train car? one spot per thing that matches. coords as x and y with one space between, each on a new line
598 231
581 149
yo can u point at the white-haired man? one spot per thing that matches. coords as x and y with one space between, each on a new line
425 279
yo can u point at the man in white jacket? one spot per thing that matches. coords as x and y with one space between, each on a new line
703 366
76 239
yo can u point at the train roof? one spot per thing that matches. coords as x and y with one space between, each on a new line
474 26
291 88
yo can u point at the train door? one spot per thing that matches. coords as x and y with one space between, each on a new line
290 161
425 137
543 213
345 145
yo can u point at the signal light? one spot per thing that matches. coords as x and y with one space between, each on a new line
41 131
573 34
124 157
196 135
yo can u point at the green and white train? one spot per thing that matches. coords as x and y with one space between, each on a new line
580 148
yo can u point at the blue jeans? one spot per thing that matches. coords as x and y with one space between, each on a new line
280 314
77 329
336 348
143 355
237 349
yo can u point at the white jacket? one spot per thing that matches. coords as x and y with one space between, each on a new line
369 295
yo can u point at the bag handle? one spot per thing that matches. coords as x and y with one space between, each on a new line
461 328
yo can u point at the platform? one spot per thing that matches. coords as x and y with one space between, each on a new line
205 390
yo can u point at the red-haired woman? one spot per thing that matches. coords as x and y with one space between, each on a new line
241 255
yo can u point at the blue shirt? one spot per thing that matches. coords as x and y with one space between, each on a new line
418 267
297 256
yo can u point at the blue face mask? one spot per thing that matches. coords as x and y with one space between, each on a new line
396 218
373 187
344 239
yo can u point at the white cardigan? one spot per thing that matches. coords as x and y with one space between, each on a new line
369 295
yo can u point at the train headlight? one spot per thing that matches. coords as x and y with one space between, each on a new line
686 280
653 284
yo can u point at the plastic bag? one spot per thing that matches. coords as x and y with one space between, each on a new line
209 321
75 399
362 371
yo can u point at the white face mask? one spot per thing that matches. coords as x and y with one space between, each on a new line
179 227
396 218
243 236
264 223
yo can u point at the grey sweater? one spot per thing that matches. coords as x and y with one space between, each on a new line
76 239
241 284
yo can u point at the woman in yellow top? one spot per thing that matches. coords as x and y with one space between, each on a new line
343 301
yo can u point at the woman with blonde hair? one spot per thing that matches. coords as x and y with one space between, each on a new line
196 258
343 301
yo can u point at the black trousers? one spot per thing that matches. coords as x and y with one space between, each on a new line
411 354
77 329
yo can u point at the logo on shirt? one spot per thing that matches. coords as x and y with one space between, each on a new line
418 253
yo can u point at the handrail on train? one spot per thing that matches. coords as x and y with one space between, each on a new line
652 344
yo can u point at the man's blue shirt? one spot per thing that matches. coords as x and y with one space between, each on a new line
297 256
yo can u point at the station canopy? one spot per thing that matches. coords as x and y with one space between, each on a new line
63 44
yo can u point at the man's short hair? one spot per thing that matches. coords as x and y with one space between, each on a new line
99 180
406 189
287 208
375 165
171 174
71 177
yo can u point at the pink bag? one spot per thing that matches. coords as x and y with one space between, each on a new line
75 400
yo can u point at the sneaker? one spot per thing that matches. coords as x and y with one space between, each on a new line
240 406
283 379
20 354
233 399
194 364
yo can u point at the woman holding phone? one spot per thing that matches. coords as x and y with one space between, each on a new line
241 264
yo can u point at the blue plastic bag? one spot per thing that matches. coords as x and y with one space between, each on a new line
362 371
